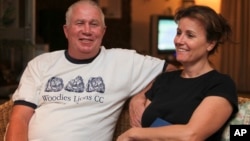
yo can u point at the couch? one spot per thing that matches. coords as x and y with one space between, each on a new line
242 117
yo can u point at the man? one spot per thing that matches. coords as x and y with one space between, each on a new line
77 94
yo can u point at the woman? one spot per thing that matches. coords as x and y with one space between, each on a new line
197 101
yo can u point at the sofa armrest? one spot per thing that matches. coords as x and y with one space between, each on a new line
123 123
5 110
241 118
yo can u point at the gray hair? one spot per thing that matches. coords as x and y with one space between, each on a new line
90 2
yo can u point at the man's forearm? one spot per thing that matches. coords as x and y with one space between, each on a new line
16 131
137 107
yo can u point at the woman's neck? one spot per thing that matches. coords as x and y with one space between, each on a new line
195 70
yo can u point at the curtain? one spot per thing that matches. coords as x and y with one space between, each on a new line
235 57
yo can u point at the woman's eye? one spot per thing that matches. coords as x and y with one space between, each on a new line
178 33
190 35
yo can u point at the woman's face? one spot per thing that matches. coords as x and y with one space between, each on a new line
190 41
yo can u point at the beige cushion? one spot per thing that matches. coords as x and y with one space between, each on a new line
5 110
242 117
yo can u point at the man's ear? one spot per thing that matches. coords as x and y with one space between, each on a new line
65 30
104 30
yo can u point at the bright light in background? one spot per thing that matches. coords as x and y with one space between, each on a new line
215 4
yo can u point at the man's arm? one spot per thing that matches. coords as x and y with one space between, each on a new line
17 129
171 67
137 103
137 106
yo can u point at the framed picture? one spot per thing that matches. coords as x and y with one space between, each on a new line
187 3
111 8
9 10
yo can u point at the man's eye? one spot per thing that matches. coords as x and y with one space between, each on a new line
94 24
79 23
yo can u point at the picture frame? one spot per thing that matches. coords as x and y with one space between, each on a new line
111 8
187 3
9 13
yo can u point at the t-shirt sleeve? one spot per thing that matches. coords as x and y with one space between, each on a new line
145 70
225 87
28 89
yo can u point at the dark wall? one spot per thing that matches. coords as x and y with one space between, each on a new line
51 18
118 32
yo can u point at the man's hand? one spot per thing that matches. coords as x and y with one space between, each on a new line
171 67
137 106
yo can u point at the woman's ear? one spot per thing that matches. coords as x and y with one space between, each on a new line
211 45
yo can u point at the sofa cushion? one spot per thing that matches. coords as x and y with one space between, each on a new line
241 118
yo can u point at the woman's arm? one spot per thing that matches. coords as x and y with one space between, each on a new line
208 117
17 129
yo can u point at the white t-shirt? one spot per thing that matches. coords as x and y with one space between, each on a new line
82 101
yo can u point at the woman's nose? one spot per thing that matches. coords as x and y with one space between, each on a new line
179 39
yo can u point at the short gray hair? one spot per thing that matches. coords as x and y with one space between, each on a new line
90 2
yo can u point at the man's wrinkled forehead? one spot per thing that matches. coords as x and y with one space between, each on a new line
88 10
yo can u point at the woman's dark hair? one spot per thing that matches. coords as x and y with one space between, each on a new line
217 28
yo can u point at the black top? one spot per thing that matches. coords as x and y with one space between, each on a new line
174 98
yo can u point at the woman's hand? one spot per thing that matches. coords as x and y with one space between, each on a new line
126 136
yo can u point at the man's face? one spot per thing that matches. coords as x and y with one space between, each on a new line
84 31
